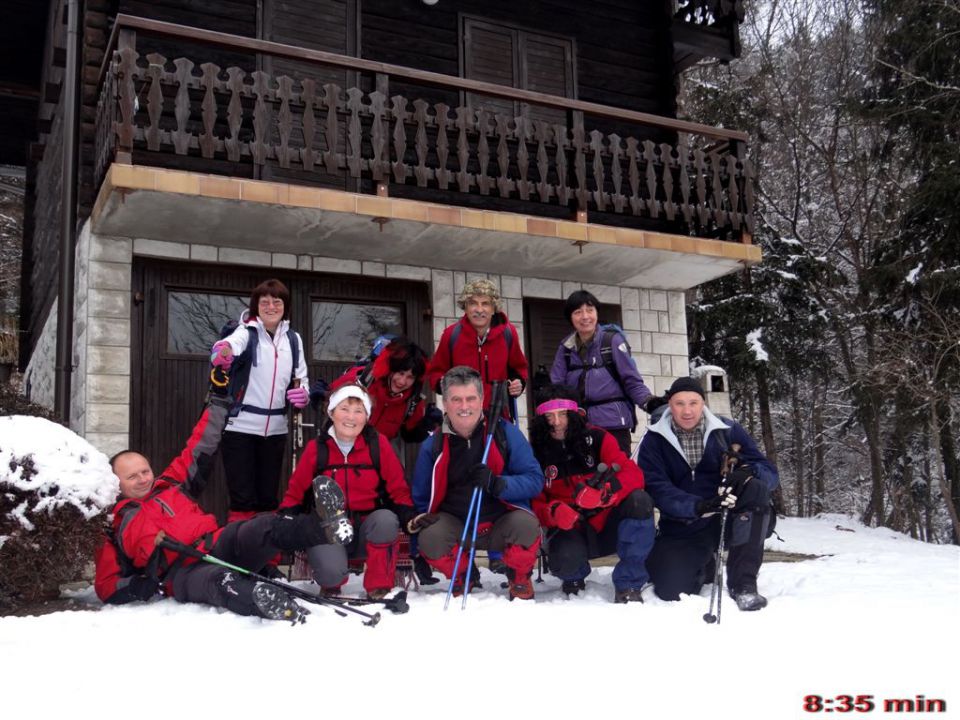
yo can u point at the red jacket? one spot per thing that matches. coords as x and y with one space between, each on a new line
493 359
388 410
361 484
563 487
167 507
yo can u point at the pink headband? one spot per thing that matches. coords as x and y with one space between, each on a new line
557 404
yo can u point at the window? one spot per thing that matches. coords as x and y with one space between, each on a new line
506 55
194 319
344 332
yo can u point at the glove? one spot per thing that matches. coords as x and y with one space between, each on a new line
723 500
421 521
564 516
738 478
318 393
298 397
589 498
653 402
221 354
143 588
432 417
480 476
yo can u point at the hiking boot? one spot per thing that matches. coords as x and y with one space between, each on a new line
497 565
275 604
573 587
631 595
378 593
520 589
329 505
474 583
749 600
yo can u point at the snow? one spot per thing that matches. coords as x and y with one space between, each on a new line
756 347
69 470
912 276
875 615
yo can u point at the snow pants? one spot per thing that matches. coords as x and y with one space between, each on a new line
684 564
375 541
252 465
628 532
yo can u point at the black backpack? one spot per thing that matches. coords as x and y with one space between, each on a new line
609 330
239 375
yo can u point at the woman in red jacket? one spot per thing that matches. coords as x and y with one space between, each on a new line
362 462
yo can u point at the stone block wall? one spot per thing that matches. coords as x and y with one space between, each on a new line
654 321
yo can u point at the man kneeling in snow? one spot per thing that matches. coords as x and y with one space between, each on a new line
131 564
682 456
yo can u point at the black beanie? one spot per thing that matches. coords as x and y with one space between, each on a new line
685 384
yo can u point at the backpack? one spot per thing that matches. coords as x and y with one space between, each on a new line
609 330
457 328
365 377
370 436
239 375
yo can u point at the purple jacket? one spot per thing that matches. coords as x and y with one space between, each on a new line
608 403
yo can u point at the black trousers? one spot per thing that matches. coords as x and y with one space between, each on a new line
247 544
684 564
252 466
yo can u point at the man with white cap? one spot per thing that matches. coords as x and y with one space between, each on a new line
365 467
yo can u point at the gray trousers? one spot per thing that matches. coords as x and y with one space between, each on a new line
329 562
512 528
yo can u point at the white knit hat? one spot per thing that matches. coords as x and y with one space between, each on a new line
348 391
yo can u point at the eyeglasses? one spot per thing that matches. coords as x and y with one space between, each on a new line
268 301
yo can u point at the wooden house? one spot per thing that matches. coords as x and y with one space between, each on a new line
374 155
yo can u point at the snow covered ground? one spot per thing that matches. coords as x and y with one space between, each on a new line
877 615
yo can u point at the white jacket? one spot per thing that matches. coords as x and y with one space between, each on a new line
270 372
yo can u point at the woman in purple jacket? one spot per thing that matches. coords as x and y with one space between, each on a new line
596 361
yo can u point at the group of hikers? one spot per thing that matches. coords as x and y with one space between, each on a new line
570 494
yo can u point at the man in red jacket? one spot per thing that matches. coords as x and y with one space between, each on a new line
588 513
483 339
132 565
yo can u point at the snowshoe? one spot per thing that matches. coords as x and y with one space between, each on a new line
329 504
274 603
749 601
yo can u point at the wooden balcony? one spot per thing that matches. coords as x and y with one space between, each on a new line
628 179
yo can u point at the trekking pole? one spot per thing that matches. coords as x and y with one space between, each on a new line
496 407
396 604
339 608
475 502
297 429
729 462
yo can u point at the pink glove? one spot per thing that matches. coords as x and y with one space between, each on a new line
221 354
298 397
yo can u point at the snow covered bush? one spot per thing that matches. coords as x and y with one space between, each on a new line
55 490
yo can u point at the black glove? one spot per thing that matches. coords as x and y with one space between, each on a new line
653 402
432 417
143 588
421 521
724 499
738 478
480 476
318 393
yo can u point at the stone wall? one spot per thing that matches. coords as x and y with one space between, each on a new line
39 381
654 320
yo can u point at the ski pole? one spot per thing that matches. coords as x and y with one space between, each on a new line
728 463
463 539
496 407
338 608
397 604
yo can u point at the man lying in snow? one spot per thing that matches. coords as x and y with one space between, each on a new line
131 565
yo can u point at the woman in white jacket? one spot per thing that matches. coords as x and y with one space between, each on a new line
260 355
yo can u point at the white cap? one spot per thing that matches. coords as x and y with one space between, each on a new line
348 391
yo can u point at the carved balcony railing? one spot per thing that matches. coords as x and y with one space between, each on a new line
701 183
709 12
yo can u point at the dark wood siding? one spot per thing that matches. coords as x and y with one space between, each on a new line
167 389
